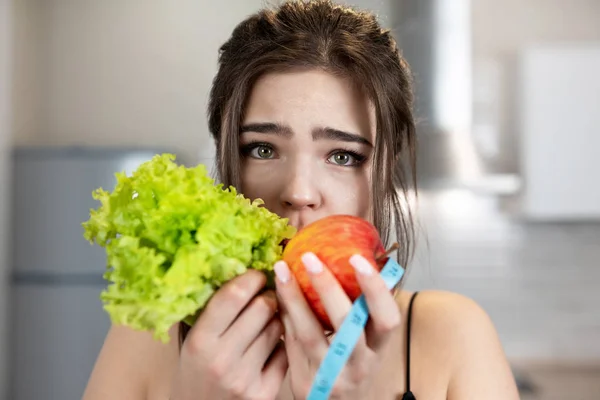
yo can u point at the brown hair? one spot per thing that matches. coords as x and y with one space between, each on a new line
345 42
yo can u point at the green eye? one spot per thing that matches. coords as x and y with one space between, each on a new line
342 158
261 151
346 158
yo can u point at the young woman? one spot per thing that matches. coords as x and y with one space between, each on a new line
311 111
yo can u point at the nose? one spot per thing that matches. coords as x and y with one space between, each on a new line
301 191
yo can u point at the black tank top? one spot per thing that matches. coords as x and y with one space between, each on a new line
408 395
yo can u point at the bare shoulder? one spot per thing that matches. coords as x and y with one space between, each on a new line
446 311
455 332
129 363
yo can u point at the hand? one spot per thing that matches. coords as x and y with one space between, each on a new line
305 341
232 350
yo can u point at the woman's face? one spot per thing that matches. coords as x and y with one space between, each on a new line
306 143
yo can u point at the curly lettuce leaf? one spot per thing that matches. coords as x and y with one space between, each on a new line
172 238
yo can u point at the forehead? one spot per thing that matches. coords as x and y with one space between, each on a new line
308 98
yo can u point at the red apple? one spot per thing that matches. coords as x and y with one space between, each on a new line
334 240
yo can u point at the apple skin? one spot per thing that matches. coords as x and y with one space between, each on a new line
334 239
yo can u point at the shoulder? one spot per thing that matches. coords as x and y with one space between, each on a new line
460 335
447 325
130 364
440 310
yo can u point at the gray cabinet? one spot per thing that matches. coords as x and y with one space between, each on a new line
57 321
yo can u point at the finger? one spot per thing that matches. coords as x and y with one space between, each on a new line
228 302
333 297
383 309
298 317
274 373
251 323
259 351
300 364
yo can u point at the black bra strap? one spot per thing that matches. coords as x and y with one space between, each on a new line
408 394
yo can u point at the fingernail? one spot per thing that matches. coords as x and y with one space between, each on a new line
282 272
312 263
361 264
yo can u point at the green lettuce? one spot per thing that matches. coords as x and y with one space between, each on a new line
172 238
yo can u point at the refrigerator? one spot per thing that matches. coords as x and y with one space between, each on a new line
57 322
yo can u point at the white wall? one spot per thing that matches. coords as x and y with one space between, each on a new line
119 73
6 21
560 122
500 30
29 63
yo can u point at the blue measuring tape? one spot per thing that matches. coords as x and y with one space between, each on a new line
347 336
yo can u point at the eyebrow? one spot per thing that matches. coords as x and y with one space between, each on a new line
267 127
340 136
324 133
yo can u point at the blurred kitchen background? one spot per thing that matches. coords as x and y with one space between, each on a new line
509 206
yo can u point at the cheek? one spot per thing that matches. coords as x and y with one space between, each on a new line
260 182
348 192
